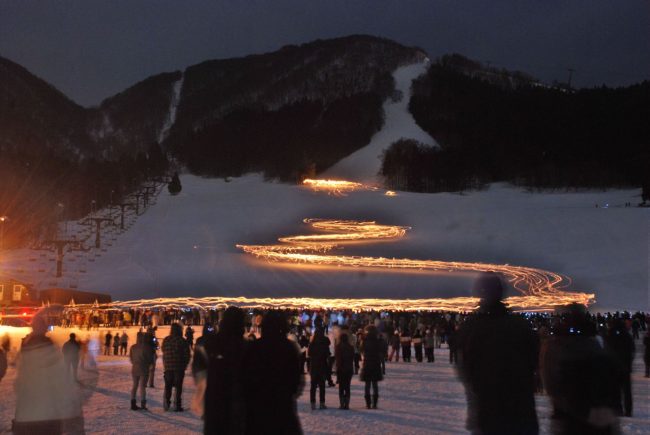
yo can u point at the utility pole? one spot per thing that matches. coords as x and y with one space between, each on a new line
3 219
571 70
98 224
137 197
123 206
148 190
59 244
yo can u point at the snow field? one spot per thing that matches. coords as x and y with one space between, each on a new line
415 398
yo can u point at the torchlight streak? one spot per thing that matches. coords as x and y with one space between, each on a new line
335 187
538 289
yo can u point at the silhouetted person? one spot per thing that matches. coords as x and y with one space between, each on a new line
189 336
344 354
218 367
646 354
152 342
371 374
581 378
3 363
124 343
497 358
303 342
71 356
108 341
417 345
176 356
621 344
318 351
273 379
116 343
141 358
405 341
47 401
429 343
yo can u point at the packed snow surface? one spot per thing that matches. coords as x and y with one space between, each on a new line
364 165
414 398
185 244
173 106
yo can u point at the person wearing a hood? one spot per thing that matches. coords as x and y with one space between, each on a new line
497 358
141 358
47 401
176 357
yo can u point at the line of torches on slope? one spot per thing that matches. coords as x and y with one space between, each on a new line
538 289
340 187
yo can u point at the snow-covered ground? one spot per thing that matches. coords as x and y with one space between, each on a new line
415 398
184 245
364 165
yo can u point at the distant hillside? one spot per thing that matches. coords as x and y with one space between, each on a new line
500 126
297 110
35 117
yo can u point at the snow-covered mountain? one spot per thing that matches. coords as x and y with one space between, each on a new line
364 165
179 107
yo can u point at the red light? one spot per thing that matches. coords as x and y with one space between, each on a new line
24 314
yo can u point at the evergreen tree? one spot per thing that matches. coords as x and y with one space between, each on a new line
174 185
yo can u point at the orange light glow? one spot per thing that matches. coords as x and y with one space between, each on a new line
538 289
335 187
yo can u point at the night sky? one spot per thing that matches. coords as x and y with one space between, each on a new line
93 49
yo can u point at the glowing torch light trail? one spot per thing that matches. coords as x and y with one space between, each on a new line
538 289
335 187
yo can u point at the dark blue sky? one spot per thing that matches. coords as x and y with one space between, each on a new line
93 49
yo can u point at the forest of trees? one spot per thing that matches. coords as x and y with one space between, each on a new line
521 132
39 190
285 144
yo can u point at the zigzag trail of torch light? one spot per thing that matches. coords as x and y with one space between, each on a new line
539 289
